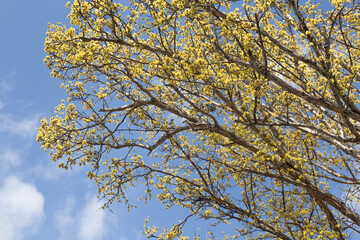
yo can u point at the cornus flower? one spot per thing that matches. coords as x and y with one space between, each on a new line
241 112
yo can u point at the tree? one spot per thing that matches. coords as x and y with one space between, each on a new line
240 111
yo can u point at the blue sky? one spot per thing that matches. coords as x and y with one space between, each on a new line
38 200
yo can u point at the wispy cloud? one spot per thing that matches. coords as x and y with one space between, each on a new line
25 127
21 209
6 83
14 124
87 223
9 157
64 219
48 170
92 218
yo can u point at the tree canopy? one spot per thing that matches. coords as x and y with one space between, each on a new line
242 112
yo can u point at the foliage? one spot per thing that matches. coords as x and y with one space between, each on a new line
244 112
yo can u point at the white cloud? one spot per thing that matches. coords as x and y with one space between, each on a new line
6 83
92 221
48 170
24 127
9 157
21 209
88 223
64 219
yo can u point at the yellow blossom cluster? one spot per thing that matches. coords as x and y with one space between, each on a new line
241 112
